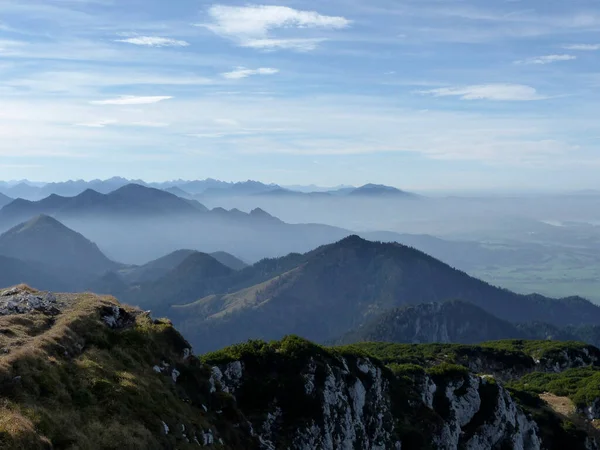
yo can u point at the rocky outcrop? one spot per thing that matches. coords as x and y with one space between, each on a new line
355 409
117 317
484 416
22 300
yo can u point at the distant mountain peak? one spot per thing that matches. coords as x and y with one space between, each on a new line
40 220
378 190
259 212
44 239
352 240
134 187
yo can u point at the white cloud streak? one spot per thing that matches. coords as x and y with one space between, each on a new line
131 100
154 41
242 72
300 45
547 59
96 124
583 47
251 26
497 92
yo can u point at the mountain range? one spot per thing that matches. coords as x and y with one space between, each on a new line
135 223
209 187
336 289
131 200
330 291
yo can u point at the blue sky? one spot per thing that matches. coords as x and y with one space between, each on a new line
420 94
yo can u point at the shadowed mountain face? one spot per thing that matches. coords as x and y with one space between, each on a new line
178 192
154 270
332 290
4 200
14 271
45 240
198 272
449 322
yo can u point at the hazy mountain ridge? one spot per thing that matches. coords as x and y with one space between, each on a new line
135 224
207 188
60 250
4 200
129 200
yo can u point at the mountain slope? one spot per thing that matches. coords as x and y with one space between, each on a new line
229 260
339 287
21 210
14 271
158 268
47 241
178 192
135 199
81 371
4 200
198 272
449 322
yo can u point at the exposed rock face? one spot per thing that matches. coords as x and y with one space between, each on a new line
515 366
467 427
116 317
355 409
20 300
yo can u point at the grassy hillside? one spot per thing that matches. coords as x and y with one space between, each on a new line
72 381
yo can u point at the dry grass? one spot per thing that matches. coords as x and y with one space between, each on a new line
560 405
71 381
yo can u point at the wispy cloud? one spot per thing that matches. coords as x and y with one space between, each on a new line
96 124
242 72
154 41
150 124
301 45
582 47
131 100
251 26
498 92
547 59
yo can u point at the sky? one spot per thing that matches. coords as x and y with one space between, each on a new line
417 94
